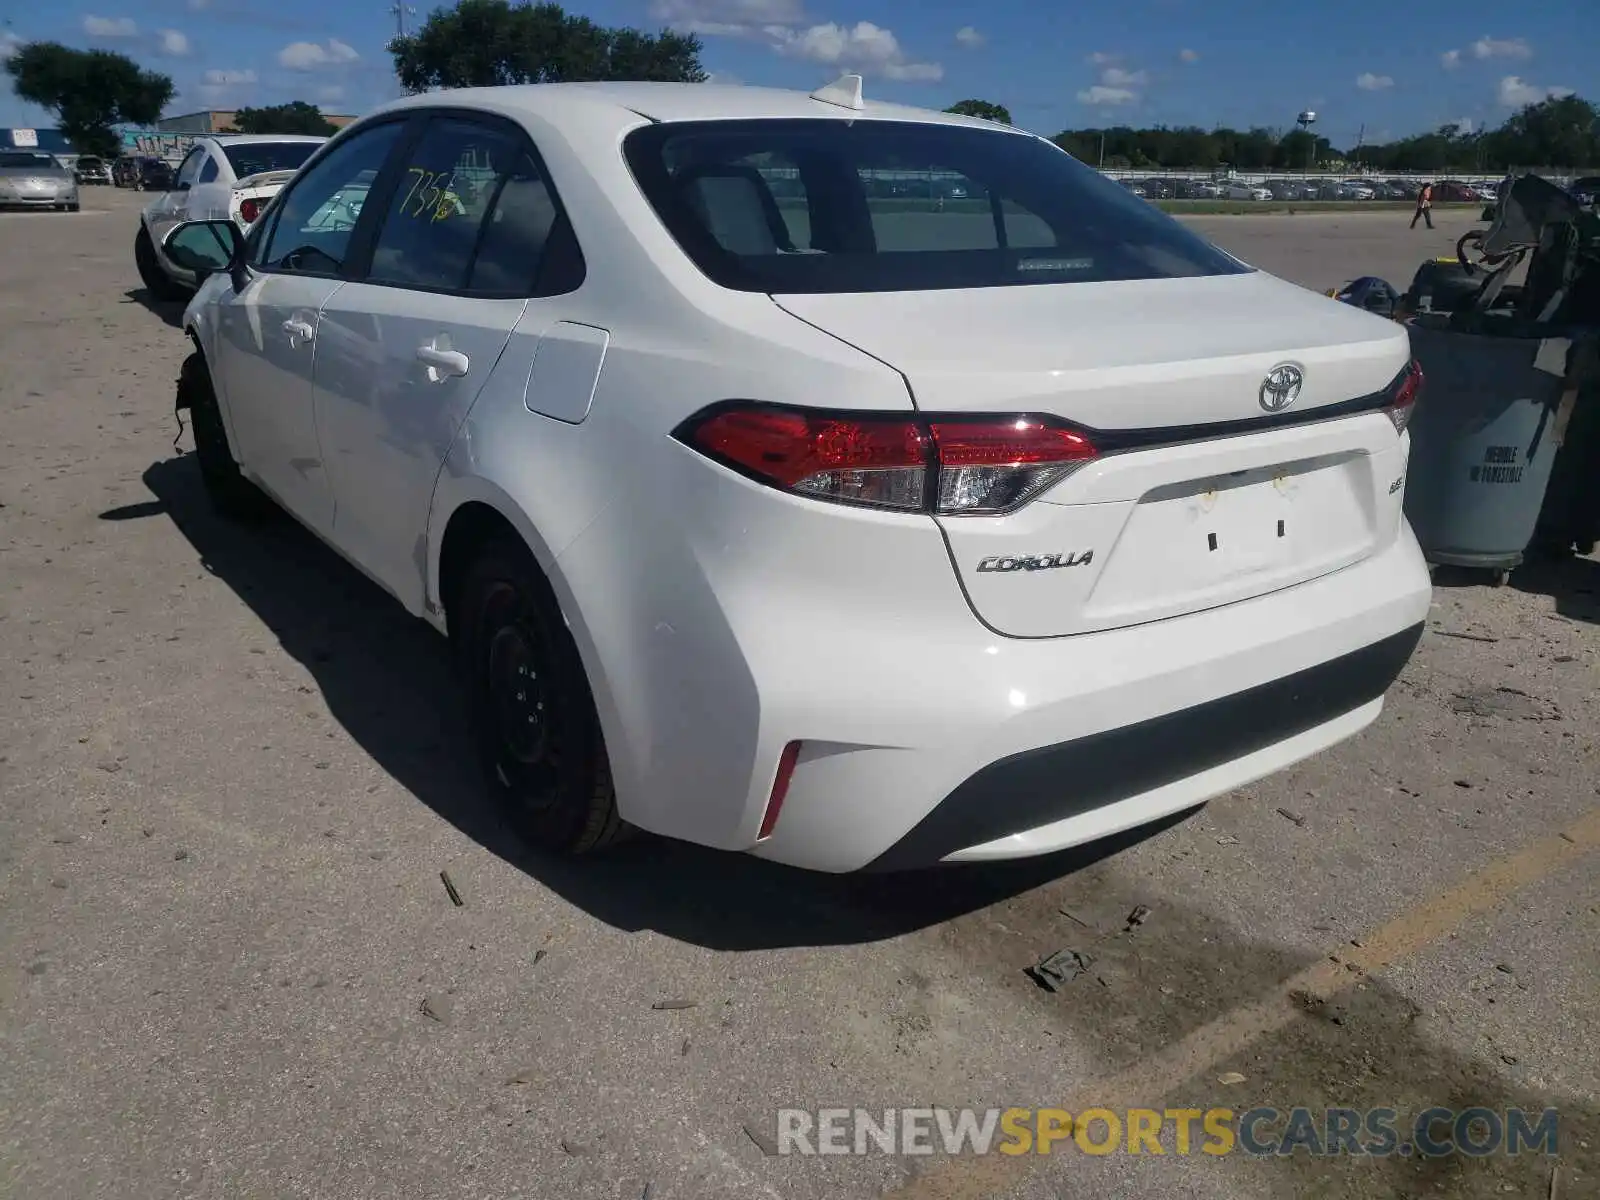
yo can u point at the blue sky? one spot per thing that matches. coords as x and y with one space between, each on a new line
1385 65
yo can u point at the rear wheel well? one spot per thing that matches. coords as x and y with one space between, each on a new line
471 527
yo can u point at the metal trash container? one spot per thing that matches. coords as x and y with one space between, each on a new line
1482 441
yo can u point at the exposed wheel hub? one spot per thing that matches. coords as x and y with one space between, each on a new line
517 692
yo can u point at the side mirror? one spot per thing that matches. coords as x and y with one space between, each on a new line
205 247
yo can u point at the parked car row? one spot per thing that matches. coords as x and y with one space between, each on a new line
1446 191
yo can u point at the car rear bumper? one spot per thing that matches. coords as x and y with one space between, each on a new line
924 736
1106 731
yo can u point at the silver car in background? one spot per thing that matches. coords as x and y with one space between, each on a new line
34 179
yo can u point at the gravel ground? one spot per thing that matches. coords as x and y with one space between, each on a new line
231 773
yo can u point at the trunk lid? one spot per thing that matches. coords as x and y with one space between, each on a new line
1202 497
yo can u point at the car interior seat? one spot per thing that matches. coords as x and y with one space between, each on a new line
737 207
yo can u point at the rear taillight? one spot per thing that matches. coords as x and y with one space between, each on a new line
250 209
961 465
1404 393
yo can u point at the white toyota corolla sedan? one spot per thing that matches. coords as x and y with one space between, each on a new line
838 482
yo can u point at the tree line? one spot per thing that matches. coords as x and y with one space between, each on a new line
1562 132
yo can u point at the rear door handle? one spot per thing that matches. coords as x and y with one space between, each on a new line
443 363
297 328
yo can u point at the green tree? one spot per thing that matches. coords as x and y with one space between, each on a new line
1553 133
90 92
981 108
482 43
295 117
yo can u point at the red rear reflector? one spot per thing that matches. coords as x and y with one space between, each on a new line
1405 393
251 209
962 465
780 789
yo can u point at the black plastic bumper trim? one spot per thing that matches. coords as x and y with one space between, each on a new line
1050 783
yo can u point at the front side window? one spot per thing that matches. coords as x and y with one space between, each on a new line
311 232
442 203
826 205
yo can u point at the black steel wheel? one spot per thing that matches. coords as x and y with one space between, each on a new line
533 714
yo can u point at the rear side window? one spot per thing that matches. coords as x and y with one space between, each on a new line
441 206
475 212
830 205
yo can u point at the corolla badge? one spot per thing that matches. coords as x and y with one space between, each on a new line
1037 562
1281 387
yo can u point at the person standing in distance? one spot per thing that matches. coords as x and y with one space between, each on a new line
1424 206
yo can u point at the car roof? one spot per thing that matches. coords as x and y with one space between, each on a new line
626 103
247 139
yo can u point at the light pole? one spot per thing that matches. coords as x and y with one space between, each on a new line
1305 121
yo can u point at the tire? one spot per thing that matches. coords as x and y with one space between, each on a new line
156 281
230 493
533 715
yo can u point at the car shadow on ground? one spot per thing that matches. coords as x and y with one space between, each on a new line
386 678
1573 582
170 311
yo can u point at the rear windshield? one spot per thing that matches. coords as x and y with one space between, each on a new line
826 205
252 158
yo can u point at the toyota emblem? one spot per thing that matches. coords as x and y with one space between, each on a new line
1281 387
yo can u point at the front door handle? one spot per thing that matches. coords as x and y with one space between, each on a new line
296 328
443 363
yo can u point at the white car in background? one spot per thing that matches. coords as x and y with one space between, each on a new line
1238 190
823 530
228 177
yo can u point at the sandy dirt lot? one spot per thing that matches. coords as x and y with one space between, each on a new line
231 773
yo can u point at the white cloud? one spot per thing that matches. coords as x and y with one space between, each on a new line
172 42
864 47
1368 82
308 56
216 78
331 94
10 43
1464 126
1100 58
969 37
1515 92
1450 59
729 18
1188 56
110 27
1488 47
1111 96
783 25
1117 77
